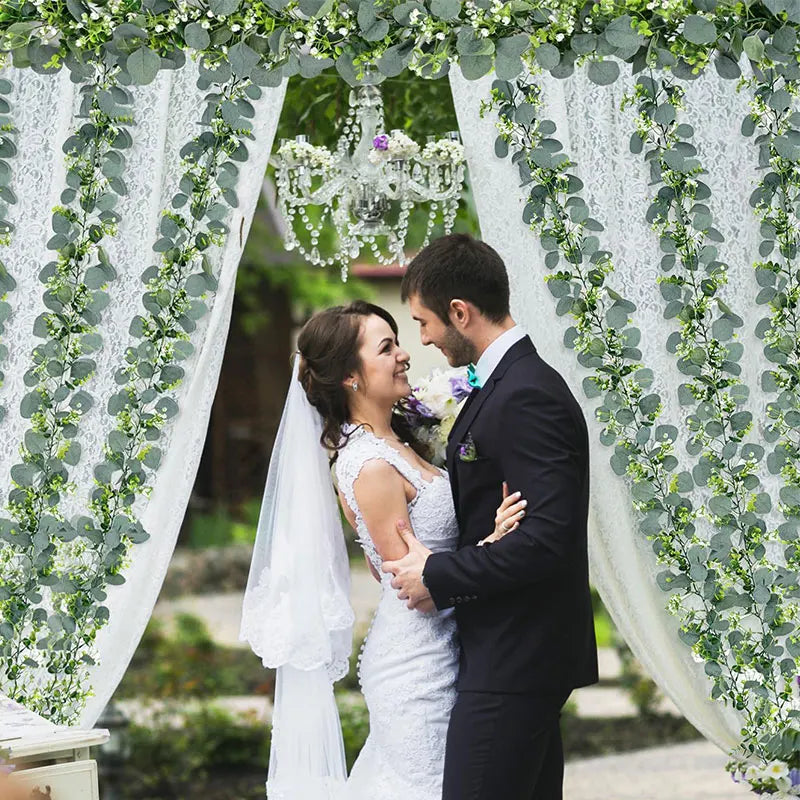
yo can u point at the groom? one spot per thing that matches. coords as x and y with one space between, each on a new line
522 603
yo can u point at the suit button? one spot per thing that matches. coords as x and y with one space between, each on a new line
452 600
474 597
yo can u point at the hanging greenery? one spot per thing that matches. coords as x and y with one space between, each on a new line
8 149
62 365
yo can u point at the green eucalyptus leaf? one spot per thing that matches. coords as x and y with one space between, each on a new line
699 30
394 59
242 59
446 9
143 65
223 8
372 27
196 36
620 33
754 48
547 55
474 67
726 67
603 73
402 12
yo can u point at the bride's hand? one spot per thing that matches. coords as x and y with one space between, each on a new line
508 517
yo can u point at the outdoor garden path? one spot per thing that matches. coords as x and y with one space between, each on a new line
693 771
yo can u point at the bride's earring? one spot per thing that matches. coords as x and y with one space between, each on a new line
355 386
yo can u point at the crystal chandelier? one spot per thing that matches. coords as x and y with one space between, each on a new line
367 188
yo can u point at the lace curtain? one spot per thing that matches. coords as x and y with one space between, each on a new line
595 134
166 115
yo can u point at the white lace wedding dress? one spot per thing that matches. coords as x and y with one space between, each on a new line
409 663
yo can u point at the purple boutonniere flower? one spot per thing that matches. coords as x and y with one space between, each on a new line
794 776
381 142
466 449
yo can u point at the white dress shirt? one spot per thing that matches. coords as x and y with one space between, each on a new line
494 353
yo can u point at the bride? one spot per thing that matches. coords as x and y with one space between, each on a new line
346 384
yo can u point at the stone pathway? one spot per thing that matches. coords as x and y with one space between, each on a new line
694 771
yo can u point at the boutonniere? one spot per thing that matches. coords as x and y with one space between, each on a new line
467 450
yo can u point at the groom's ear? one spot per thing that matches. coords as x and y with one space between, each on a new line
460 312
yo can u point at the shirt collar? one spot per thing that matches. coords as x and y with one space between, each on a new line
494 353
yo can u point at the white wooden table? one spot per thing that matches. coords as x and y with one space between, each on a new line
52 761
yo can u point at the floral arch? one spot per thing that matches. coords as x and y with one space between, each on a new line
711 467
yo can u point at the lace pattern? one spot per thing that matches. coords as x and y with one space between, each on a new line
409 660
166 118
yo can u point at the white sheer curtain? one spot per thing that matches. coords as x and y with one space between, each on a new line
166 114
595 134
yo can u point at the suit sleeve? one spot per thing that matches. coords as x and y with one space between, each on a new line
543 455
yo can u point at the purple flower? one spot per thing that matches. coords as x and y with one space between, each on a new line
466 449
418 407
794 776
381 142
417 414
460 388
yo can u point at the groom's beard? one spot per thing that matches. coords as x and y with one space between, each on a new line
460 350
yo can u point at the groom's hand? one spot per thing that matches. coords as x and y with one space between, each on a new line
407 571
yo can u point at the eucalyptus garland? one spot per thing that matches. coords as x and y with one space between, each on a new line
8 149
757 594
307 36
777 203
75 298
172 305
603 341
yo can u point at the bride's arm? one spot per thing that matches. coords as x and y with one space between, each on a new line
381 496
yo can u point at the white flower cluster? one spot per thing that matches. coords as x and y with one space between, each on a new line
444 150
773 776
399 146
436 393
294 152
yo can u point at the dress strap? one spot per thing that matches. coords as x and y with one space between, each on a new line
364 446
402 465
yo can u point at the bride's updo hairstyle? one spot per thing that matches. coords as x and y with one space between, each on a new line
329 343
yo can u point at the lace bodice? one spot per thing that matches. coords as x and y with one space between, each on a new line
431 511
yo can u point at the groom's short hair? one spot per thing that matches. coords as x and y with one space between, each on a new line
458 267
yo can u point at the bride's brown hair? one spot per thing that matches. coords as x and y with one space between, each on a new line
329 344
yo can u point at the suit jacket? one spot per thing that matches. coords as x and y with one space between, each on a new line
522 604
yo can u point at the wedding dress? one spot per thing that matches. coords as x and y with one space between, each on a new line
409 662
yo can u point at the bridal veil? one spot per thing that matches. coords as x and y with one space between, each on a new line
296 614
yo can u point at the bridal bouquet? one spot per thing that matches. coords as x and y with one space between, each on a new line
433 407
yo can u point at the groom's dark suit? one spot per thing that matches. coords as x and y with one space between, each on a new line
522 604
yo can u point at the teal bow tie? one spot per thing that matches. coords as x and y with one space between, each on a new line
472 377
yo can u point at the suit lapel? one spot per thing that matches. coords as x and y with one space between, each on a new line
470 410
476 400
